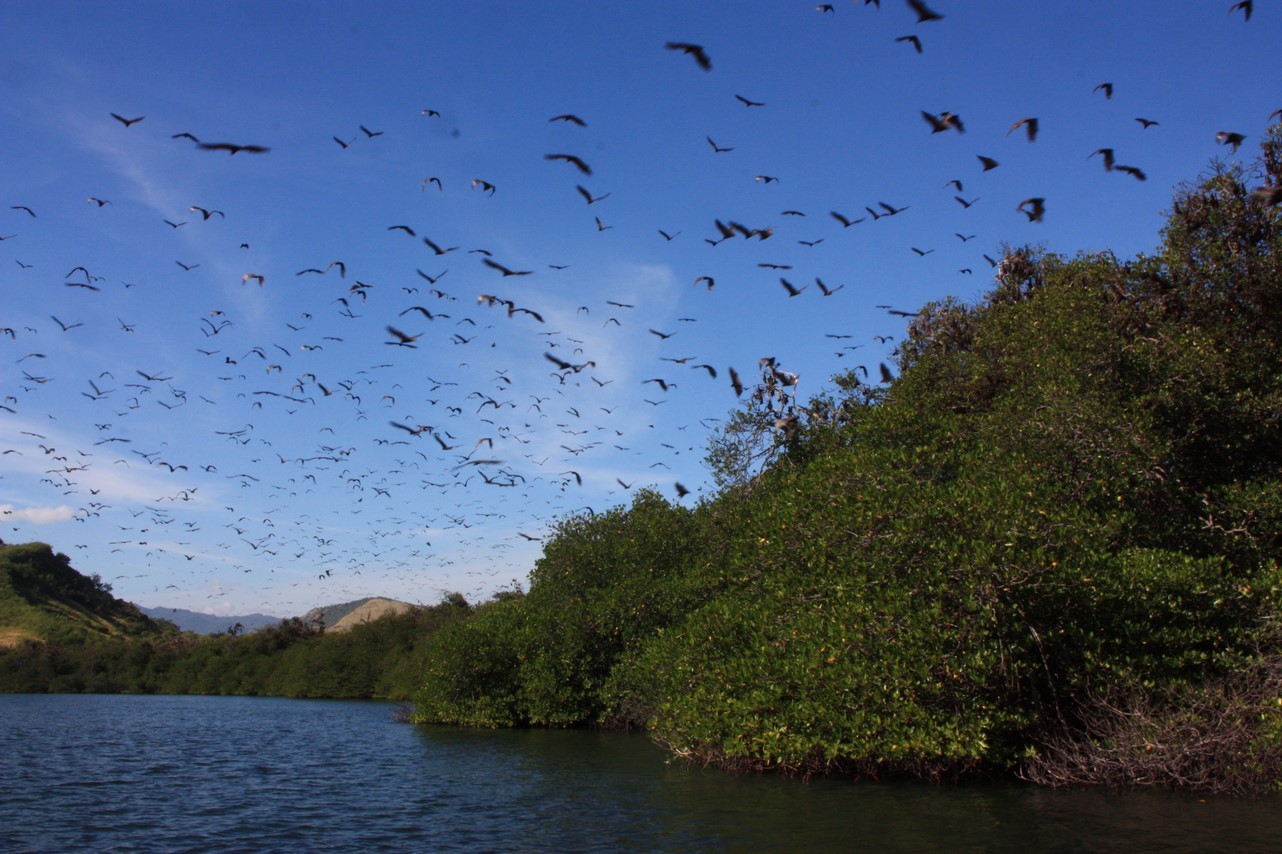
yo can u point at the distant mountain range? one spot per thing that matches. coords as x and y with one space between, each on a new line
43 599
334 618
208 624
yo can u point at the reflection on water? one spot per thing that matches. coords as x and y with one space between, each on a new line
228 774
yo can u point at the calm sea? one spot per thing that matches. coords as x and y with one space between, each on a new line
123 773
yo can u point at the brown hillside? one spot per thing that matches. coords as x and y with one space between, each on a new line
369 611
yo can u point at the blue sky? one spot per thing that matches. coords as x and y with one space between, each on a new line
284 504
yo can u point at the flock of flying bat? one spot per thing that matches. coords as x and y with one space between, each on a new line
479 437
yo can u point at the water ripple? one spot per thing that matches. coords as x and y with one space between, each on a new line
225 774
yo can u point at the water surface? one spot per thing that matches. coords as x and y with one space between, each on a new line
131 773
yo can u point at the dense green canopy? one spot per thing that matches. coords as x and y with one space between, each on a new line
1050 544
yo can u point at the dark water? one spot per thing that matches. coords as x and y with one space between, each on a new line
111 773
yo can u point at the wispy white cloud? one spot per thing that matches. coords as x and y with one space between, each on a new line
120 480
37 515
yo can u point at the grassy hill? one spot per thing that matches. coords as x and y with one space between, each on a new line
43 599
63 632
